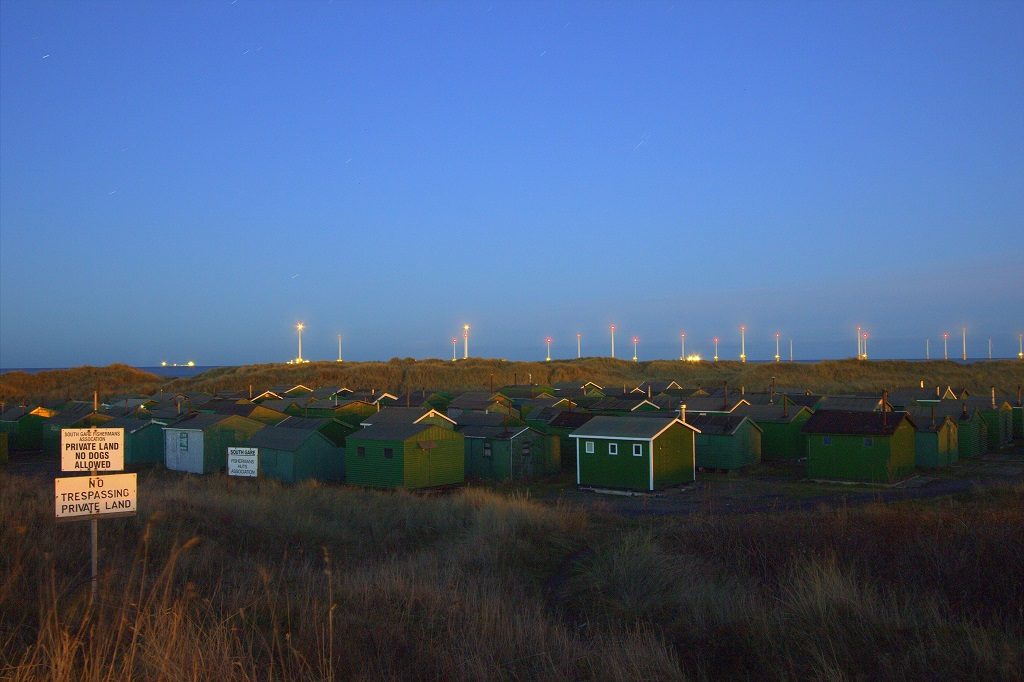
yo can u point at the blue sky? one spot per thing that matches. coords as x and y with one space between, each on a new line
187 180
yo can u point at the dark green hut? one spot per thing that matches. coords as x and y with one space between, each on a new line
143 440
936 443
997 414
873 447
781 426
634 453
509 453
73 415
297 454
726 441
24 426
404 456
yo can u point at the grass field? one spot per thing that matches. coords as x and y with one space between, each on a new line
240 580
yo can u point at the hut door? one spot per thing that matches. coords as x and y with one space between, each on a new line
525 459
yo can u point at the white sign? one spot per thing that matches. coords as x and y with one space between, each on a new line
243 461
87 449
89 496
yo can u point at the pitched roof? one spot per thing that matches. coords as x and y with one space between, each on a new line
472 400
12 414
402 415
771 413
130 424
494 432
851 403
72 413
718 424
389 431
922 416
480 418
198 421
711 403
627 428
855 423
281 438
570 420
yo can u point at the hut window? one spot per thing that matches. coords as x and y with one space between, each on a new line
526 449
638 450
487 449
826 440
183 441
869 442
361 451
613 448
388 453
589 447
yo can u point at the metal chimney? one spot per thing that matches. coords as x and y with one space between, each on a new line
682 412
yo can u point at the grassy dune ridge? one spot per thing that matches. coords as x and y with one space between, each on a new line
408 374
242 580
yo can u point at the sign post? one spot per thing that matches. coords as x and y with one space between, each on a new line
90 497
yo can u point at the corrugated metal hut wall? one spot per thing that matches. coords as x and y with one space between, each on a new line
970 437
784 441
145 446
552 454
999 426
621 470
1018 421
367 465
232 432
675 457
434 457
183 450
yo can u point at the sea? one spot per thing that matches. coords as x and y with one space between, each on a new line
169 372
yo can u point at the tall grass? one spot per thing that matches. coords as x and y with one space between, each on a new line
242 580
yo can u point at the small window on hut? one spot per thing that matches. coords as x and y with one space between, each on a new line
869 442
613 448
389 453
183 441
826 440
487 449
638 450
589 447
361 451
526 449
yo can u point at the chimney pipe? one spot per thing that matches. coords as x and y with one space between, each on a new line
771 393
963 411
938 392
682 412
885 412
933 416
993 397
96 400
648 390
1018 395
922 383
785 407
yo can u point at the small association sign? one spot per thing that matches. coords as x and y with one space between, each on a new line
88 497
85 450
243 461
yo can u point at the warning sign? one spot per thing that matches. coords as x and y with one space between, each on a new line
90 496
243 461
85 450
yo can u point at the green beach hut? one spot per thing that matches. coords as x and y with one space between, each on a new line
404 456
872 447
292 454
509 453
143 440
781 426
726 441
634 453
936 443
24 426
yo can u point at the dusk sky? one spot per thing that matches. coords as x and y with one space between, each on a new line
187 180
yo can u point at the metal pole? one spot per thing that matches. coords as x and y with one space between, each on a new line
95 549
579 346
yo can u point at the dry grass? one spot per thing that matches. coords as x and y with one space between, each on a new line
240 580
413 375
